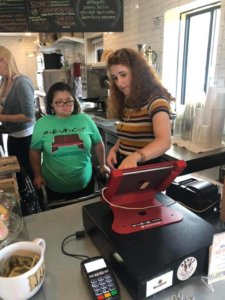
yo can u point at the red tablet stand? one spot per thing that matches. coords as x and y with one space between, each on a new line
131 196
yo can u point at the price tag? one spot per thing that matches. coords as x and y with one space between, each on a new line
216 271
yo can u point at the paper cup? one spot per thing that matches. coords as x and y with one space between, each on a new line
204 135
216 138
218 117
220 101
194 136
211 96
208 115
199 117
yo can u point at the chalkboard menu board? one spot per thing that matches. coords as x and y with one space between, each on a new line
61 15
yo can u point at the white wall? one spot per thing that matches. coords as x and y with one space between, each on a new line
21 47
143 25
146 25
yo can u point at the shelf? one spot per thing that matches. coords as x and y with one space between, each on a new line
62 41
98 65
68 39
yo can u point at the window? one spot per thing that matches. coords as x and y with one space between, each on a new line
197 52
189 49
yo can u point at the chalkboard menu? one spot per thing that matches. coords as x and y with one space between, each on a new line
61 15
13 16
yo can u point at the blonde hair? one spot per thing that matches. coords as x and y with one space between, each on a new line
12 67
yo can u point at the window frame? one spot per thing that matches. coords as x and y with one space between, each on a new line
212 8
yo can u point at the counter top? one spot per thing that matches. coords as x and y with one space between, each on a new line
63 277
105 124
196 161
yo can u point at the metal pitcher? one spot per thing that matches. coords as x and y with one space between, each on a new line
148 52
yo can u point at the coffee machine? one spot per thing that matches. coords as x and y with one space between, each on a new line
97 87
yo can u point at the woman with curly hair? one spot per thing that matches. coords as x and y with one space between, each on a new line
142 105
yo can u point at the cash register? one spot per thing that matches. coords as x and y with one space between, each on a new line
150 240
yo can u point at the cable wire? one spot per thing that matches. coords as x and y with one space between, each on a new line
201 210
65 242
126 207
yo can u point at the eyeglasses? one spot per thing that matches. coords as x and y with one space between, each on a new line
61 103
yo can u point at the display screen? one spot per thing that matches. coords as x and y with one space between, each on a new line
95 265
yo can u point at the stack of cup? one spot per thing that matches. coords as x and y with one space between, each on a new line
187 122
198 122
217 121
209 121
203 136
209 104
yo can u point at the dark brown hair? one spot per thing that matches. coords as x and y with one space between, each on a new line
145 83
56 87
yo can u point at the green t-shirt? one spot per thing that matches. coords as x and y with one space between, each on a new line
66 147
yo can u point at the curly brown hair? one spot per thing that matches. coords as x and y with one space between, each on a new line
145 83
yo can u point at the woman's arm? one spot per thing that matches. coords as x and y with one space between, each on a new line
111 158
35 160
161 143
20 107
100 153
19 118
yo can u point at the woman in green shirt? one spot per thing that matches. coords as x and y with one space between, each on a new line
60 151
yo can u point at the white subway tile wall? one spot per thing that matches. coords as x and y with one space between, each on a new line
145 25
21 47
142 25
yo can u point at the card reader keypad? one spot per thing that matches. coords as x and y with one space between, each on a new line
103 285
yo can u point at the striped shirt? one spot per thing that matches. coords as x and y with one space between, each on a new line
135 130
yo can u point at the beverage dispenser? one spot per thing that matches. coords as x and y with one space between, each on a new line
76 73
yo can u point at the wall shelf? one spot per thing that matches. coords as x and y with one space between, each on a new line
68 39
62 42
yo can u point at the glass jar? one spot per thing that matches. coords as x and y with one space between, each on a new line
10 218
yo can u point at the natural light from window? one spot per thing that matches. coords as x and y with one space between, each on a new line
187 79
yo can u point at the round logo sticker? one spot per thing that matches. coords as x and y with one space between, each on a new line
187 268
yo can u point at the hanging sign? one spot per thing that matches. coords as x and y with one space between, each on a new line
61 16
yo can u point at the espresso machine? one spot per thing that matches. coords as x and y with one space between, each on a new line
97 87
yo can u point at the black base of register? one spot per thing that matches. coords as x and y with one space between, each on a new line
152 260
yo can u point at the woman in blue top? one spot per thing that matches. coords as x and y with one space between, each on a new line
17 115
60 151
